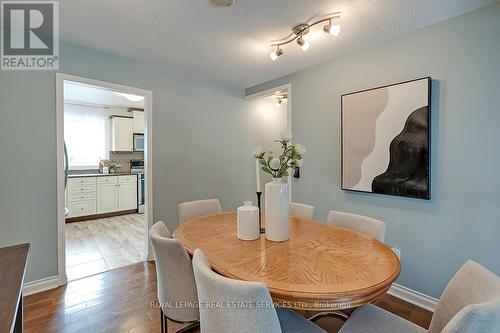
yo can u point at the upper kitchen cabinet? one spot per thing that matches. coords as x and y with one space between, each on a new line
138 121
122 129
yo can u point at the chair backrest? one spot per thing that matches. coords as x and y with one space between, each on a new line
367 225
470 302
192 209
302 210
175 278
219 299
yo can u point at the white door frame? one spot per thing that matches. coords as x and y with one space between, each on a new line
148 161
286 88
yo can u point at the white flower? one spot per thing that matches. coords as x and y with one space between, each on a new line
300 149
268 153
299 163
257 151
274 164
286 136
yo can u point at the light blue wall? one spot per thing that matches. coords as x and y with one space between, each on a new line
462 221
203 133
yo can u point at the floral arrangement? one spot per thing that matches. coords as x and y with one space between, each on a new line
113 167
290 158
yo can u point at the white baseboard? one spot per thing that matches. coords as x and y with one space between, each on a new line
37 286
414 297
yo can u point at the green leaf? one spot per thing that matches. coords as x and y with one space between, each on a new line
266 169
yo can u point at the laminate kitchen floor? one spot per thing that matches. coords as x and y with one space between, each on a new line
95 246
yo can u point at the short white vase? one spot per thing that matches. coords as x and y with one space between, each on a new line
277 203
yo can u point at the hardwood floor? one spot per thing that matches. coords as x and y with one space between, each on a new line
122 301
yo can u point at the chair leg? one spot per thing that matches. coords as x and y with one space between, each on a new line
164 324
162 321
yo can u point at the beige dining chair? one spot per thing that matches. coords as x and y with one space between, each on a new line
302 210
470 303
192 209
175 280
228 305
367 225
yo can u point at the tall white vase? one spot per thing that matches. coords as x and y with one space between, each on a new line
277 203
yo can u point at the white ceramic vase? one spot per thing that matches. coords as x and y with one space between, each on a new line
247 222
277 203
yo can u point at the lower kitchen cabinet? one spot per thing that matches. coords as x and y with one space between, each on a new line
81 208
107 198
88 196
127 196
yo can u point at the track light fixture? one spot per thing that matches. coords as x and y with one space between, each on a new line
276 53
332 27
304 44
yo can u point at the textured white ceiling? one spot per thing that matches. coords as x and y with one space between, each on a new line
231 44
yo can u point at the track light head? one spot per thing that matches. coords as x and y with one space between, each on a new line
332 28
276 54
304 44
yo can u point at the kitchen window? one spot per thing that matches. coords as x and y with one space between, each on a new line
85 134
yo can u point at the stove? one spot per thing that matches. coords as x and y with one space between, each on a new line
137 167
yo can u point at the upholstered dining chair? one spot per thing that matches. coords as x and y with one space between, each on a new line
364 224
228 305
175 280
470 303
302 210
192 209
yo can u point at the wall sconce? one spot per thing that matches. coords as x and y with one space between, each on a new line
332 27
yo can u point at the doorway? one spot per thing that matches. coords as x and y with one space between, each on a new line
104 178
273 110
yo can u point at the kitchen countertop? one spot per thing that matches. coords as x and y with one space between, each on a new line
81 175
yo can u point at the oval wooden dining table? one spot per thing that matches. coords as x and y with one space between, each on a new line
321 267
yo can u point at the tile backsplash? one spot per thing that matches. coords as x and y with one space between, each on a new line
123 158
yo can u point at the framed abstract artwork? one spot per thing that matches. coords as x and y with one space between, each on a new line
386 139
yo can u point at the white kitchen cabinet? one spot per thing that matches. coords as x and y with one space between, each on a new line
88 196
81 196
127 196
107 198
122 130
81 208
138 121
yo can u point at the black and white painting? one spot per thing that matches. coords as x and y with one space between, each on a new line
386 139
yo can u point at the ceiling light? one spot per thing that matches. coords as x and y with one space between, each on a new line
304 44
222 3
332 27
132 98
276 53
280 99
